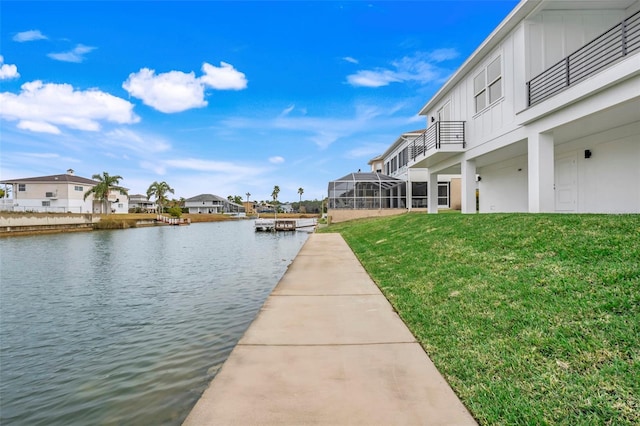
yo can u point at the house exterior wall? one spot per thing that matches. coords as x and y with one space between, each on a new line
67 198
503 186
532 158
554 34
197 207
119 202
607 182
377 166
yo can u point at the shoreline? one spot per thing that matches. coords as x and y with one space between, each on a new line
14 224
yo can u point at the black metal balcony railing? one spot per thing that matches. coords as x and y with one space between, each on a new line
616 43
440 133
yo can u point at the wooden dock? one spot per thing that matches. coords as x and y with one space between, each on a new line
272 225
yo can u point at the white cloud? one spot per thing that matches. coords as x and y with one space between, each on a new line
276 160
324 131
287 110
49 155
154 167
367 151
45 108
74 55
7 71
350 59
377 78
30 35
134 141
225 77
38 127
441 55
169 92
176 91
420 68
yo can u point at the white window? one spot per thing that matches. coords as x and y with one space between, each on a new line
487 85
480 91
494 80
46 204
77 188
22 187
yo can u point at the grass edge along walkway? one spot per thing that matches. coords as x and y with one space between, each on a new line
531 318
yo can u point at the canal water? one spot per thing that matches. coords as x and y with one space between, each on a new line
127 327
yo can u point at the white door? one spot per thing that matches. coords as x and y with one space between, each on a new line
566 185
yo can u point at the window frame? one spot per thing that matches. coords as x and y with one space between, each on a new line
485 92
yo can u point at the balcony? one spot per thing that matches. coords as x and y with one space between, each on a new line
442 139
606 49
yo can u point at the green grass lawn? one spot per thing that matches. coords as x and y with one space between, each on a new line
532 319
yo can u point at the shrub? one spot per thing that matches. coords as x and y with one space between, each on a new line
175 211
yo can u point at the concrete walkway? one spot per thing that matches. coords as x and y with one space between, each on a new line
328 349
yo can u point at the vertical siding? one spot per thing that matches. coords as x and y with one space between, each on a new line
554 34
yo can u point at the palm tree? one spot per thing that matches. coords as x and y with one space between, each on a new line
300 191
274 194
158 190
103 188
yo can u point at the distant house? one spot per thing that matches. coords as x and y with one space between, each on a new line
286 208
265 207
59 194
377 164
209 203
142 203
545 115
250 207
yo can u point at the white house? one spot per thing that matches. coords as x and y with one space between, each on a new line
545 115
394 162
141 202
58 193
209 203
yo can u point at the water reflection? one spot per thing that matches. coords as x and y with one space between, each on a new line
127 327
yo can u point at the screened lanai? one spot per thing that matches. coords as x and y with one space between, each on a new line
367 191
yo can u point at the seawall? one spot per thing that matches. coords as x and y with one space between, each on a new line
38 223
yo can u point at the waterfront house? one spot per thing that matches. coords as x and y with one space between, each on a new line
545 115
390 186
209 203
286 208
250 207
141 203
394 162
58 194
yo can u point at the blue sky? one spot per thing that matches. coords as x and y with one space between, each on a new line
223 97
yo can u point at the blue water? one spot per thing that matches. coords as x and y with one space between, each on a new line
127 327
